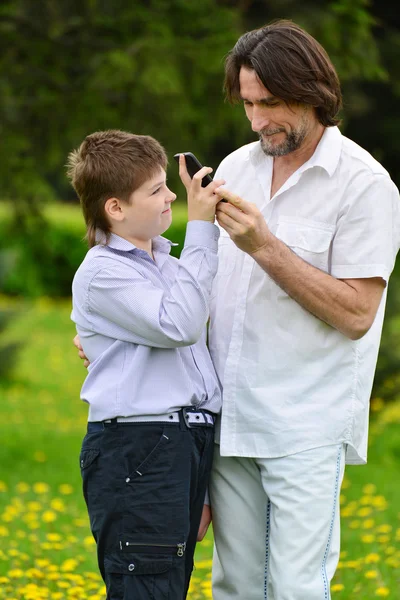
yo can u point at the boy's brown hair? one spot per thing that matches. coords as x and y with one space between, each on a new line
111 164
291 64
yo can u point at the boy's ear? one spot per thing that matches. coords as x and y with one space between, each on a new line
113 209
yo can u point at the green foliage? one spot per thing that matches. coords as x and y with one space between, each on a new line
68 68
8 350
46 254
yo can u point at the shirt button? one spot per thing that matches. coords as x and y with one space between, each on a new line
131 567
127 479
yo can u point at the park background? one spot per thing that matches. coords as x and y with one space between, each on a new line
68 68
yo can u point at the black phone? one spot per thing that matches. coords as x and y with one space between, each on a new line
193 166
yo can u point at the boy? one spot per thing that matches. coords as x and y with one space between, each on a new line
151 387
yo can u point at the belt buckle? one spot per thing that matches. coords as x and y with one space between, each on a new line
191 409
185 411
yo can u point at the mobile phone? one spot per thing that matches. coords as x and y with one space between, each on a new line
193 166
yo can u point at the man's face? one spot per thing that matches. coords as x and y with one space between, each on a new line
282 128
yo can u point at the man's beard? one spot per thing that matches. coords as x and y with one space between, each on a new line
292 142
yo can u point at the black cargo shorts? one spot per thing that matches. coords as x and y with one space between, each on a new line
144 486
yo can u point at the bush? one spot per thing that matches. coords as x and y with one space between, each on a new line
47 257
8 350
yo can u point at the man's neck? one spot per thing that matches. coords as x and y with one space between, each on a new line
285 166
294 160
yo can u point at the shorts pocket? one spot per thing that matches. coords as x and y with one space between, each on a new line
150 459
139 575
138 564
88 461
87 457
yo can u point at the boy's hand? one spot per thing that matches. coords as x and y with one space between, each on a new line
206 518
201 200
77 343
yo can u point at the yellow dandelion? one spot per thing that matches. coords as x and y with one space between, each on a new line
34 574
42 563
337 587
365 500
69 565
364 512
386 528
89 541
371 574
369 489
380 502
368 538
57 504
63 584
65 489
372 558
22 487
46 546
16 573
41 488
354 524
4 532
382 591
383 539
392 561
49 516
34 506
368 524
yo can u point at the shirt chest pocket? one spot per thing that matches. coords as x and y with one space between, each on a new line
309 240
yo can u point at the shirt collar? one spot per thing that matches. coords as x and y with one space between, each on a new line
326 155
116 242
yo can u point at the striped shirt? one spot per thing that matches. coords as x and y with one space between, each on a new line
142 325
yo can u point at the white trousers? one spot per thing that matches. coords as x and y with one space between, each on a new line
276 525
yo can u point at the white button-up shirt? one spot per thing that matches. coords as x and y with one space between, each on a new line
290 381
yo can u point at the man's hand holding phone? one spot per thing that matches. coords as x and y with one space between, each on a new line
200 195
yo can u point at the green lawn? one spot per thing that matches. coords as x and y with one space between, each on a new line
46 550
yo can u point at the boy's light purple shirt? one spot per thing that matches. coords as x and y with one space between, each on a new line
142 325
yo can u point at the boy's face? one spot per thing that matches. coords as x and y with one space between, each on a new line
148 213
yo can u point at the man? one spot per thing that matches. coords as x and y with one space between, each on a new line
296 318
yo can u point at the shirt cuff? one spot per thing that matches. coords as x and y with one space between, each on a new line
360 271
207 498
202 233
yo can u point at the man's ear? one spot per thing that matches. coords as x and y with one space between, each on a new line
113 209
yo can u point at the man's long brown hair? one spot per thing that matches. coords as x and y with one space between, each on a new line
111 164
291 64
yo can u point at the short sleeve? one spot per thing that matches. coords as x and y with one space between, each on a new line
367 236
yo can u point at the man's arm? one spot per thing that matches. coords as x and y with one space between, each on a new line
348 305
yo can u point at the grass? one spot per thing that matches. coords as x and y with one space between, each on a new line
46 549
